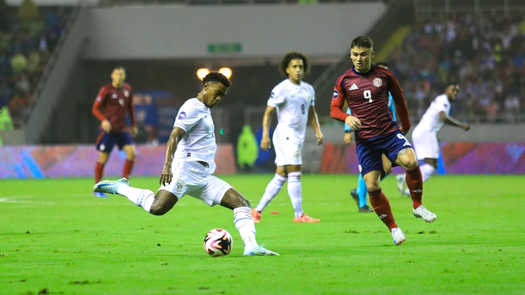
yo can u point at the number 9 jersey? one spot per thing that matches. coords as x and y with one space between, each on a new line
367 97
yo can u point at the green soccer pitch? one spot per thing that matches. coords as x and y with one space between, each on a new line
56 238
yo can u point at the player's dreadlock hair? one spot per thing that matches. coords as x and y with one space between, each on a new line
362 42
216 77
293 55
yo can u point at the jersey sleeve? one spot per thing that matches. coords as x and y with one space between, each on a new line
131 111
338 100
442 105
277 97
187 117
348 129
101 97
399 100
312 92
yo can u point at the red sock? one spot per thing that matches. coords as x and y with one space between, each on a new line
381 206
415 185
99 171
126 171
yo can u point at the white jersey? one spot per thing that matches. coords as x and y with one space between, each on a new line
198 144
431 120
293 103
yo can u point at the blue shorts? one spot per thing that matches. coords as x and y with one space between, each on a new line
369 150
106 141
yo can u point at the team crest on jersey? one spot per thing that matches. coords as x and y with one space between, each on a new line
335 94
182 115
179 185
378 82
126 93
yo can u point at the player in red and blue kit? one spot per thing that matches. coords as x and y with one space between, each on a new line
365 88
116 99
360 193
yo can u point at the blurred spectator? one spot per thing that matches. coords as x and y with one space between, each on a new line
24 53
485 53
28 11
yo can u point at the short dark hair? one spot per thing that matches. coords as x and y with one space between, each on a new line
216 77
363 42
450 83
382 64
289 57
119 67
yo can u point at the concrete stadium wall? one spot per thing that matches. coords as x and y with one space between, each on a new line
168 32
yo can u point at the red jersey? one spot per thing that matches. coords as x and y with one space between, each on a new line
367 97
116 102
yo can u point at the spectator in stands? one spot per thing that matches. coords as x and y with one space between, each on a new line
28 11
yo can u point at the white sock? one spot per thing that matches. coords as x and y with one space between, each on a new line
272 189
427 171
294 190
141 197
244 223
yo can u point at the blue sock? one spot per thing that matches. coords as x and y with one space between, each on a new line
361 191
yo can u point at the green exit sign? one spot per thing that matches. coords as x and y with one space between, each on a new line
224 48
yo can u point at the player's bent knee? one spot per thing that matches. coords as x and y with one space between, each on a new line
158 209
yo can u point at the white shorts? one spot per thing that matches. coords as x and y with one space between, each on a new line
287 153
192 178
425 144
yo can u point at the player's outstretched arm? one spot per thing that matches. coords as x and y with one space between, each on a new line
451 121
171 146
314 121
267 120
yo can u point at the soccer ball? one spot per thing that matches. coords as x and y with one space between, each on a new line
218 242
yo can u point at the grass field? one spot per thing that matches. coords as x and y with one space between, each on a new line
55 238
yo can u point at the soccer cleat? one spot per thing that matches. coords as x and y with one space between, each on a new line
256 216
355 196
259 251
422 212
100 195
401 184
305 218
398 235
365 209
109 186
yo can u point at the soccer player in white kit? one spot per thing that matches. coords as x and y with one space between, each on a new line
424 136
189 165
293 100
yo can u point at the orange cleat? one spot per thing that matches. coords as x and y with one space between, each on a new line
305 218
256 216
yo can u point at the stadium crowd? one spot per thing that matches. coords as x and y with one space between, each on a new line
484 53
28 35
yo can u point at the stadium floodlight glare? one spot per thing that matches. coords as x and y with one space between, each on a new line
226 72
202 72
